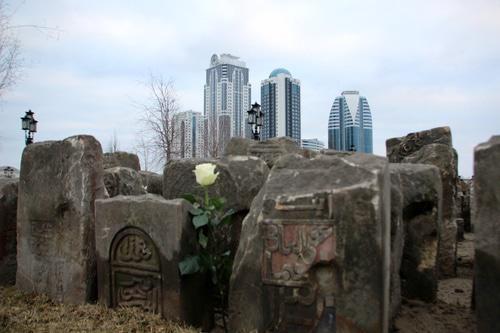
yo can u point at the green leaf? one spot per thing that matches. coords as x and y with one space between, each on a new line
195 211
202 239
226 218
189 265
200 220
218 203
189 197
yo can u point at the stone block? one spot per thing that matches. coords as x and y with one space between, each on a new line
153 182
487 235
421 190
314 250
240 179
58 185
397 241
435 147
8 214
124 181
121 159
139 242
269 150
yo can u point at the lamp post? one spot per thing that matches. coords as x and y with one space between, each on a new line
28 124
255 120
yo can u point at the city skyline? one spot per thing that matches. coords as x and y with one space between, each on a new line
419 71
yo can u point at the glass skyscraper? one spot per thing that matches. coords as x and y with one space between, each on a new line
350 124
280 102
227 100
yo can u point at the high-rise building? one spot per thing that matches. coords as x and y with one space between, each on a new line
189 135
313 144
350 124
227 100
280 102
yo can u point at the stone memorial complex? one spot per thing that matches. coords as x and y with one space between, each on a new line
303 263
58 185
487 227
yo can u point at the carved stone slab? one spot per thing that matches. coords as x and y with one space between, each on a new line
58 185
139 241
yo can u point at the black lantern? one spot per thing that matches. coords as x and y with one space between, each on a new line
28 125
255 120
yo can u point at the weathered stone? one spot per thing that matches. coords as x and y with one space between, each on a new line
487 229
269 150
121 159
434 147
153 182
399 148
460 229
240 179
8 213
397 241
314 249
59 183
140 241
125 181
421 188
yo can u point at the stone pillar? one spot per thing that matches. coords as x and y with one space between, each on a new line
121 159
421 191
140 241
314 251
8 213
487 229
58 185
434 147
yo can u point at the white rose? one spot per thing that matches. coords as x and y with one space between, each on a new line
205 174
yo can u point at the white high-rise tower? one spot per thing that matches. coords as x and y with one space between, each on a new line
227 99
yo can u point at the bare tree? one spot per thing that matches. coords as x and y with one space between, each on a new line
159 132
9 52
143 150
113 145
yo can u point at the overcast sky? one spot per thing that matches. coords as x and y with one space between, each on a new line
421 64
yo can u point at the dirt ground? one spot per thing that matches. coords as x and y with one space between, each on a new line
28 313
452 312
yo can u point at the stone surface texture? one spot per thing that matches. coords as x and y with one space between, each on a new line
240 179
8 214
421 190
121 159
487 229
139 242
314 251
153 182
124 181
434 147
269 150
59 183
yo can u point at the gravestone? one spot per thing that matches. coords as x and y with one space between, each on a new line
397 241
269 150
58 185
434 147
314 249
8 213
421 189
121 159
487 234
139 242
124 181
153 182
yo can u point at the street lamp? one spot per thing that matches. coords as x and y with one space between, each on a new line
28 125
255 120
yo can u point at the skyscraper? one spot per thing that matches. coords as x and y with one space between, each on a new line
312 144
189 134
280 100
227 100
350 123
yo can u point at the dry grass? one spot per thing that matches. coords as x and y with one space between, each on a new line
36 313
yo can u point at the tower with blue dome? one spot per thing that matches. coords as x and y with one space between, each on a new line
280 102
